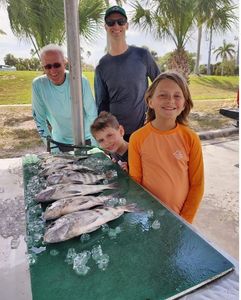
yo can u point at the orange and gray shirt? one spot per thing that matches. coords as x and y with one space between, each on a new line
169 164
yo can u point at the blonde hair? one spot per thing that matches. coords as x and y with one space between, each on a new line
182 83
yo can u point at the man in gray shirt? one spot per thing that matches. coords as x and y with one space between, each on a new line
121 77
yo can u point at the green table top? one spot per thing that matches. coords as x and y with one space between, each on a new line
147 261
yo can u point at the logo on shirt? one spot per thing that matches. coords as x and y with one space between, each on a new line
178 154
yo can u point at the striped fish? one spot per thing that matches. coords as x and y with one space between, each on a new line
68 205
60 191
77 223
63 167
75 177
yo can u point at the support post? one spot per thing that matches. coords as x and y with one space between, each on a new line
71 12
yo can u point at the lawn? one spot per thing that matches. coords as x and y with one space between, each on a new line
18 134
15 86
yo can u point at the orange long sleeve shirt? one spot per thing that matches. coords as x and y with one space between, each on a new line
170 165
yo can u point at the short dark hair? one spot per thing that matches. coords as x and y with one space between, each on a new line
104 120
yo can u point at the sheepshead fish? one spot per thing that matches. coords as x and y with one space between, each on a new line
63 167
77 223
75 177
52 160
68 205
60 191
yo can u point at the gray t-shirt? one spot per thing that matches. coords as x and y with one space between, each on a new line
120 85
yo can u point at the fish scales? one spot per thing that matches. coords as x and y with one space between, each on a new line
52 159
68 205
60 191
62 168
75 177
77 223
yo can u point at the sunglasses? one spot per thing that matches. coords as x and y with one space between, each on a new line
120 22
50 66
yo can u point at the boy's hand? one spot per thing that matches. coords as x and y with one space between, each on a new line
123 165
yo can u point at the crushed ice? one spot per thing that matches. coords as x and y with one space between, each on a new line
80 260
84 237
53 252
156 224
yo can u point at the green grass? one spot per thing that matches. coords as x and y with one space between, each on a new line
15 86
213 87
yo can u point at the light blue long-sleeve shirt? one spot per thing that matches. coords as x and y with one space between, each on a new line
53 103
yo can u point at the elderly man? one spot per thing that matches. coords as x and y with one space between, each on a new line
51 99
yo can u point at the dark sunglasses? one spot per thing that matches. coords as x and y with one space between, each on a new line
50 66
120 22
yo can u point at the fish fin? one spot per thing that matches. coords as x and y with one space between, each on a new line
132 207
113 185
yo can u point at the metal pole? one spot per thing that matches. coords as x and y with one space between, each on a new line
73 47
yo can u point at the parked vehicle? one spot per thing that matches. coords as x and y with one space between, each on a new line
7 68
232 113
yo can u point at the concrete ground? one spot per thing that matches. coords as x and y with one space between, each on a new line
217 218
14 273
218 215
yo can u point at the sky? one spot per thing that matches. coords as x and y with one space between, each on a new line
21 48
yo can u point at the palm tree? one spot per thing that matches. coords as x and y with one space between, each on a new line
2 4
221 21
118 2
206 11
42 21
2 32
168 19
225 52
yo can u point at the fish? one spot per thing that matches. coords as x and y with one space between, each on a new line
60 191
75 177
63 167
50 163
68 205
86 221
50 160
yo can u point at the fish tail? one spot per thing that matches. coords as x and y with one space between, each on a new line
132 207
113 185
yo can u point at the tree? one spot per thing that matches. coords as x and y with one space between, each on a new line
168 19
2 4
118 2
163 60
225 52
2 32
42 21
218 11
10 60
220 21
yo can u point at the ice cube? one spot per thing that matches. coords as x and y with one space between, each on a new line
96 252
150 213
53 252
84 237
103 262
70 256
156 224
